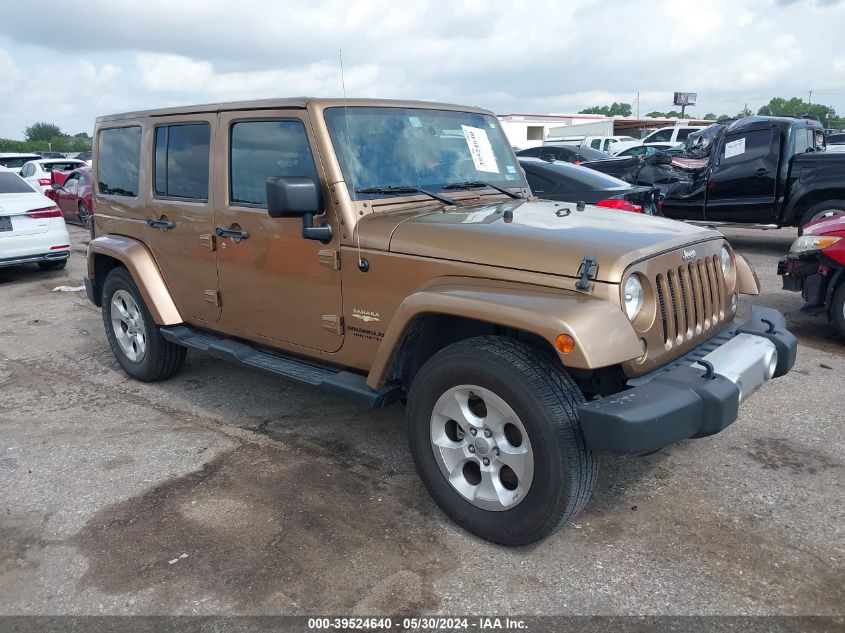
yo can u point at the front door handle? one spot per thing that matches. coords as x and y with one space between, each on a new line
762 171
161 223
235 234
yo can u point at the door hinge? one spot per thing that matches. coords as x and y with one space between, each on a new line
333 323
209 241
213 297
330 258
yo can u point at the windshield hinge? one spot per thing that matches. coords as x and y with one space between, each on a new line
329 257
586 271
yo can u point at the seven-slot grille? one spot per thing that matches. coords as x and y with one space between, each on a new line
692 299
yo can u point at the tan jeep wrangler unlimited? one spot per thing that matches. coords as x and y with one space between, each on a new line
390 250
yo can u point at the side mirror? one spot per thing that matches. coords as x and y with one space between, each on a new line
298 197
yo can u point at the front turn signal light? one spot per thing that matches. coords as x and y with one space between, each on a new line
564 343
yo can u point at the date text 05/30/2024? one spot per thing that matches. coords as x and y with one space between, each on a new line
417 623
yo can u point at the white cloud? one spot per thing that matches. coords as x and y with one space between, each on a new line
543 56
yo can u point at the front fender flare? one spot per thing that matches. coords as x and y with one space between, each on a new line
747 282
138 260
602 333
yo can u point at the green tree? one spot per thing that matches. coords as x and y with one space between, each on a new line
42 131
615 109
656 115
779 106
723 117
710 116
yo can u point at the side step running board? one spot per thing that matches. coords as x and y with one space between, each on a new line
344 383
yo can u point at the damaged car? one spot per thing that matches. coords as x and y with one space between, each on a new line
762 171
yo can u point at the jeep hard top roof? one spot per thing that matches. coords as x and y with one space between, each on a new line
290 103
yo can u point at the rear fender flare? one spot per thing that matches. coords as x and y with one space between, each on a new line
139 261
602 333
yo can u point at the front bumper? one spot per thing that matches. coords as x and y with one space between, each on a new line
696 395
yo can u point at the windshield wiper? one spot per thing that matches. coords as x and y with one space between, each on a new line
405 189
477 184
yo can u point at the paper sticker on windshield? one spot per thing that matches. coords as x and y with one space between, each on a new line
415 121
735 148
480 149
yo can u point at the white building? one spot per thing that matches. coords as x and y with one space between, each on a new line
529 130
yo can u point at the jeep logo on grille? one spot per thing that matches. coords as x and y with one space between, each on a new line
688 254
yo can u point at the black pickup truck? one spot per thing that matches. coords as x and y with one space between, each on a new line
758 170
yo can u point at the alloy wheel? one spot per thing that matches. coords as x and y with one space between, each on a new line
128 326
482 447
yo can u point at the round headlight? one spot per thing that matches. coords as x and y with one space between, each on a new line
633 297
726 261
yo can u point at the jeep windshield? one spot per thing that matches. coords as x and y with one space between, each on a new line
405 149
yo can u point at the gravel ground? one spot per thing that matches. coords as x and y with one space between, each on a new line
226 491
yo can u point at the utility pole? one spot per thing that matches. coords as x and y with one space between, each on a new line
638 104
810 99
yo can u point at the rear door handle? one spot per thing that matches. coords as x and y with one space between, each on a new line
233 233
161 223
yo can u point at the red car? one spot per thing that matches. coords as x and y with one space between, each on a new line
72 192
815 267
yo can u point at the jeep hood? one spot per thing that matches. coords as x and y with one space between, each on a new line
541 236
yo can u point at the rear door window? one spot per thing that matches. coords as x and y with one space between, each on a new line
684 132
12 183
118 161
262 149
661 136
181 161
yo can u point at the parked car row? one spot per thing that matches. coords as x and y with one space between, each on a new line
32 228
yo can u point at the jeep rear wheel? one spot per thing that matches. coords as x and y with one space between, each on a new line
134 337
494 434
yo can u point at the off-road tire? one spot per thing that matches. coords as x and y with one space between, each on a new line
837 308
55 265
162 358
545 398
826 205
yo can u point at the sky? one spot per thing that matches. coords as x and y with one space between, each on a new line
537 57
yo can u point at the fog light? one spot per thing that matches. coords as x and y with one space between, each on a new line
564 343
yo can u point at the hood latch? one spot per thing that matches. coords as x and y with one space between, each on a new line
586 271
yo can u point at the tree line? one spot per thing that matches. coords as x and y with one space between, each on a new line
43 136
778 106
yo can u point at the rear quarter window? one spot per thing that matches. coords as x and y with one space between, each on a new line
12 183
118 161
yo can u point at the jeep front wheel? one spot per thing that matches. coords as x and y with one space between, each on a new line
133 336
495 437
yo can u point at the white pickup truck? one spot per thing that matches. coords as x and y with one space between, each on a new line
664 138
602 143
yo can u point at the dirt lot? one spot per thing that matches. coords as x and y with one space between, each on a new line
272 499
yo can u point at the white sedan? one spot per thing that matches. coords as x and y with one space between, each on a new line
32 229
38 172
